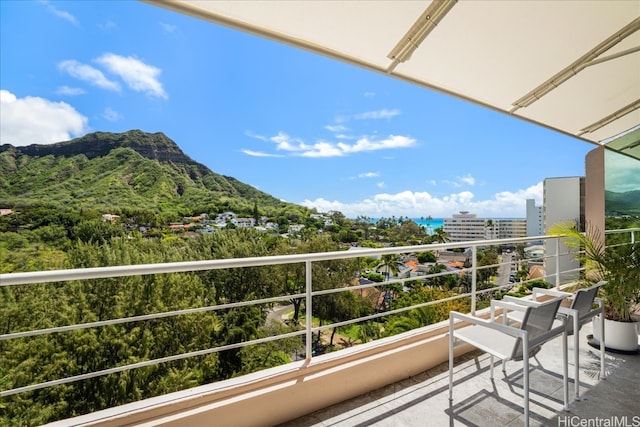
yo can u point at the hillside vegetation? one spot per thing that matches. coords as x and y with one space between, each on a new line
130 171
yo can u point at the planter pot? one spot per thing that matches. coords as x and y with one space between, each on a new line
621 336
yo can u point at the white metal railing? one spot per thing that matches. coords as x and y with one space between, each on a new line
308 259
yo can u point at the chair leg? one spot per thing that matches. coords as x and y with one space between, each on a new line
603 374
525 380
576 356
491 366
565 369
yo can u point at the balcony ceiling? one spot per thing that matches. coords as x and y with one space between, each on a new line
573 66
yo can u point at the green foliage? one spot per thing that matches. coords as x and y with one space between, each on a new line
618 265
374 277
30 360
421 316
427 256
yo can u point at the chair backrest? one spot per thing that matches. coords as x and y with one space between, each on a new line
537 320
582 302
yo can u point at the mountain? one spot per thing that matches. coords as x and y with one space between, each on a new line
133 170
627 203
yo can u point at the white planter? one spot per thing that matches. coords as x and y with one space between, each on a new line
621 336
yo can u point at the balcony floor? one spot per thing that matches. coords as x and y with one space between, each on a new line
423 399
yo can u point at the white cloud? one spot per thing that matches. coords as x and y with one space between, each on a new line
258 153
369 175
251 134
336 128
416 204
108 26
366 144
88 73
169 28
111 115
460 181
70 91
380 114
61 13
467 179
139 76
34 120
369 94
298 147
322 149
380 184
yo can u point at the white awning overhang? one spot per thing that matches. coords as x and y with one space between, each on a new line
573 66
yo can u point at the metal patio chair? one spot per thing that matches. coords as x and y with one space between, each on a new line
512 343
580 311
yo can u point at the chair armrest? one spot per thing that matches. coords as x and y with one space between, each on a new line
509 330
550 292
529 302
505 305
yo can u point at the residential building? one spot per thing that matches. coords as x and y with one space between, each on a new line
508 228
534 219
464 226
564 201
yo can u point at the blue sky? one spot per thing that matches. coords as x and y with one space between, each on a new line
301 127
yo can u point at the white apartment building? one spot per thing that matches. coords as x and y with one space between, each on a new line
564 201
464 226
535 225
510 227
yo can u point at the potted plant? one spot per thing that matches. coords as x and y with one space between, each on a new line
619 266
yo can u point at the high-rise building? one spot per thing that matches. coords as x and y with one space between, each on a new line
564 201
464 226
508 228
534 219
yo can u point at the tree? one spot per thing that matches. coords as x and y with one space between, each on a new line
391 263
440 236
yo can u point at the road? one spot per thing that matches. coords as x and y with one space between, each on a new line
276 313
504 270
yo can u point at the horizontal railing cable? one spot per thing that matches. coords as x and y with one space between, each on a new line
152 316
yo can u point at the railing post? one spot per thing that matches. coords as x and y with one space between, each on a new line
557 278
308 309
474 280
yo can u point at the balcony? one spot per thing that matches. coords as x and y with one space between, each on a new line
423 399
399 379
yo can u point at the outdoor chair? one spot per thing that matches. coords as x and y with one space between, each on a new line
580 311
512 343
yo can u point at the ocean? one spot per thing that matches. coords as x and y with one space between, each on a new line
429 224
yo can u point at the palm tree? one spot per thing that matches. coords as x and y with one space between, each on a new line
391 263
440 236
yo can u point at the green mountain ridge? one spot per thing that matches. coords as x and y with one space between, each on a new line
133 170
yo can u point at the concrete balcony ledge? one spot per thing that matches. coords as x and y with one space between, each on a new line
283 393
